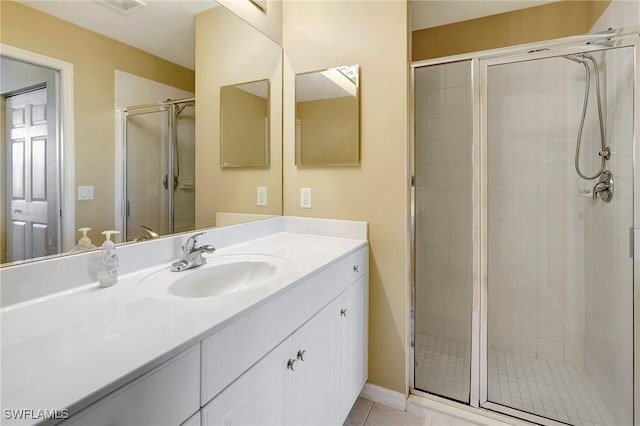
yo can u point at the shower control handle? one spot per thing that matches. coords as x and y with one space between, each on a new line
605 187
165 182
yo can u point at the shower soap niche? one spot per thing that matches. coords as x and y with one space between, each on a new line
186 183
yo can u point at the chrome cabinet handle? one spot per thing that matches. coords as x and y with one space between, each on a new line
343 312
301 353
356 268
291 365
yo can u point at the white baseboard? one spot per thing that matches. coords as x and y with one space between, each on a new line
384 396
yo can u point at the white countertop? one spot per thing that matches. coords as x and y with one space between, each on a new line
69 349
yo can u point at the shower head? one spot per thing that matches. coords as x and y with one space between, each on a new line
181 107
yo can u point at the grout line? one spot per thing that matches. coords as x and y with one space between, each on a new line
368 413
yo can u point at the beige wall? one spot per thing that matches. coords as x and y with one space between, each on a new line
322 34
95 59
243 118
269 22
549 21
229 51
329 130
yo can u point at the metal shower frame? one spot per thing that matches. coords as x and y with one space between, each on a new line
479 62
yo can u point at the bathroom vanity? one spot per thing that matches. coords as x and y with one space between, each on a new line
286 345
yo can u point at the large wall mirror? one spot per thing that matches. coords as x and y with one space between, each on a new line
108 123
327 117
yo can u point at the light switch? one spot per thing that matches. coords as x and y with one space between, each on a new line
305 198
85 192
262 196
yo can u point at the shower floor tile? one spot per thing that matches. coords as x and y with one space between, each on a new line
442 367
549 389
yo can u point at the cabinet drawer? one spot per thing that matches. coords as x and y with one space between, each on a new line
167 395
354 266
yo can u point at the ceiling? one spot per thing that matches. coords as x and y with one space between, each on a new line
433 13
165 28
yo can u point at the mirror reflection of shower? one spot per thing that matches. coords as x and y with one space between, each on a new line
159 148
605 186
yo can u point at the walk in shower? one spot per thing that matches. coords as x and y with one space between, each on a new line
159 172
523 230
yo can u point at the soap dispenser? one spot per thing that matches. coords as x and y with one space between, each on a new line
84 243
108 272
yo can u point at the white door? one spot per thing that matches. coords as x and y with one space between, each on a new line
261 396
316 400
31 177
352 344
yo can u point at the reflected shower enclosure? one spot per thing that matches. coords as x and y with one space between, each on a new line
159 175
524 196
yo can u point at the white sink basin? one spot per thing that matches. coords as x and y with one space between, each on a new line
221 275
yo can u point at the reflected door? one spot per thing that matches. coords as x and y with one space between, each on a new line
31 168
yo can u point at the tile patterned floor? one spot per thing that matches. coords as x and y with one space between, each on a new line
554 390
368 413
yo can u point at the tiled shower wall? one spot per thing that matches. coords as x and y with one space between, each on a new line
609 342
443 196
536 293
608 265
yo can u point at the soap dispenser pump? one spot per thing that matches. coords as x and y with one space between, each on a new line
84 243
108 272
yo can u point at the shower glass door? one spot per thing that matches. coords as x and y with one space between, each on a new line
443 229
159 169
146 174
558 295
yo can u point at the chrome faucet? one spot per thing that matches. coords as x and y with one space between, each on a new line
192 255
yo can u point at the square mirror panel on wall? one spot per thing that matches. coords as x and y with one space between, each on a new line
328 117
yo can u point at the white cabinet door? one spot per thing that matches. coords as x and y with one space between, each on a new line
352 344
316 400
261 396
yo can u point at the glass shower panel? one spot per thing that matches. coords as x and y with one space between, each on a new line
443 230
560 278
147 150
184 196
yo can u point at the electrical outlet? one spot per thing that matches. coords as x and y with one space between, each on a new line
262 196
305 198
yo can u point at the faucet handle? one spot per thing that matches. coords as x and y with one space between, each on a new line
191 242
